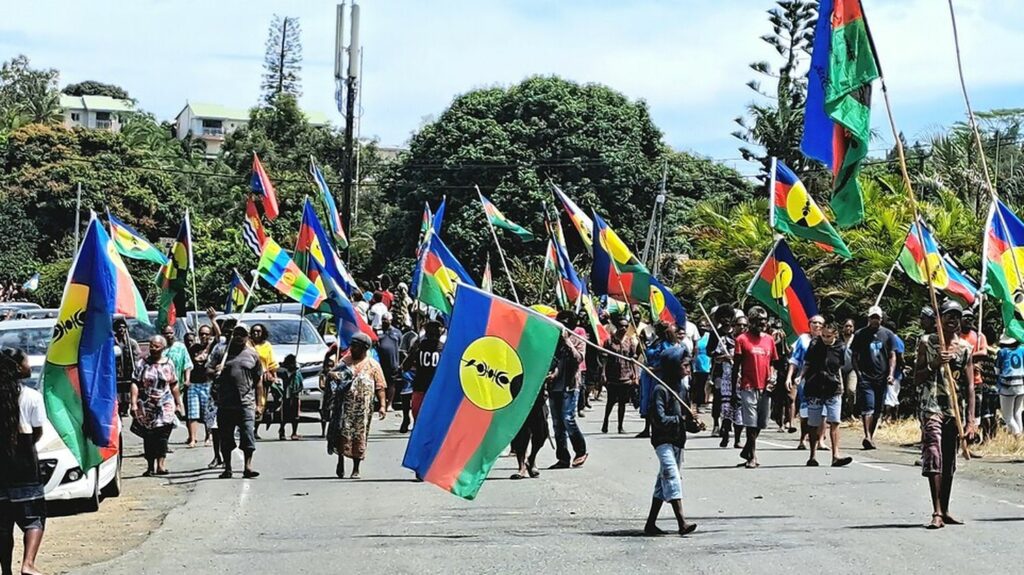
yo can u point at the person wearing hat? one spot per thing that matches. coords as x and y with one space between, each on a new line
940 437
982 366
1010 373
237 374
873 351
367 381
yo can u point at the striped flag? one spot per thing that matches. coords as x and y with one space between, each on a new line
333 217
252 232
486 282
237 293
278 269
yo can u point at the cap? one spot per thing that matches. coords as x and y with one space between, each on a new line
240 327
969 311
875 310
928 312
362 338
951 306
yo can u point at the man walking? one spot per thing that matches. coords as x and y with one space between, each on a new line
620 376
240 399
874 357
940 437
755 352
563 387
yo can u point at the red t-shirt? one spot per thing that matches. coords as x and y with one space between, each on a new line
754 355
387 298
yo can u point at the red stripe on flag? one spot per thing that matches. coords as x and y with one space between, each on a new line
996 246
458 445
844 12
506 322
781 193
769 270
915 248
838 148
797 314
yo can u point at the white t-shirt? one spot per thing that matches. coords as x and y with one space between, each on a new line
376 313
33 411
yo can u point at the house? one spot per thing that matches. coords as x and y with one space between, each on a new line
212 123
94 112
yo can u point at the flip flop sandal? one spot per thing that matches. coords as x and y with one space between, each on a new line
517 476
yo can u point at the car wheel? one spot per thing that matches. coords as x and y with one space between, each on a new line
92 504
113 489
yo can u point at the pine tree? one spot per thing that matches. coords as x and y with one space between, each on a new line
283 61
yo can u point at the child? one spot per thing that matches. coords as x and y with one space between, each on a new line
286 390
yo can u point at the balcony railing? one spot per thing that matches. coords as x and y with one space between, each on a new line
213 132
104 124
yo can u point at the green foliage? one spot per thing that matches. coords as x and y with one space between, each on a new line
27 95
94 88
283 61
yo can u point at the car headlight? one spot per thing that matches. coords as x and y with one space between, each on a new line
72 475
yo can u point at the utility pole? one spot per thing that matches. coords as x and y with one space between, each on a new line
653 244
351 84
78 217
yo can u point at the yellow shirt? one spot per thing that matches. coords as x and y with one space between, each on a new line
266 353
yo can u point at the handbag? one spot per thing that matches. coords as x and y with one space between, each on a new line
138 429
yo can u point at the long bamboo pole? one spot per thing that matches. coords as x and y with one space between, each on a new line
950 381
501 253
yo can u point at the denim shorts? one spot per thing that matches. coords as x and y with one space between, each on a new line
828 409
27 515
669 485
870 396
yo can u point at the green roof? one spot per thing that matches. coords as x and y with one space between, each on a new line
202 110
96 103
317 118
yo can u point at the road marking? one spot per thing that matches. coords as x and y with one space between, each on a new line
873 466
869 465
1010 503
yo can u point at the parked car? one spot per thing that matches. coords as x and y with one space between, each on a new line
63 478
44 313
291 334
141 332
317 318
21 305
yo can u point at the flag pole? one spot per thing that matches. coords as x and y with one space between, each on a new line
241 316
305 270
947 371
192 264
885 284
501 253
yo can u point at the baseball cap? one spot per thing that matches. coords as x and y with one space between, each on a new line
927 311
875 310
240 328
951 306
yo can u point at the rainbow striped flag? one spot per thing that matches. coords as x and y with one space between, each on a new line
278 269
436 274
132 244
498 219
79 376
487 380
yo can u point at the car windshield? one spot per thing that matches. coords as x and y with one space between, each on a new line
31 340
288 331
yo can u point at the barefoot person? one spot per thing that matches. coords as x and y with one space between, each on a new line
668 436
822 380
22 414
755 353
940 438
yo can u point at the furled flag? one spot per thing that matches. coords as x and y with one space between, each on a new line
783 288
436 274
944 273
837 119
347 322
238 291
487 380
1002 271
312 243
795 212
32 284
664 305
279 270
616 271
599 330
438 218
498 219
486 283
132 244
568 280
264 188
253 233
173 275
79 379
425 224
584 225
333 217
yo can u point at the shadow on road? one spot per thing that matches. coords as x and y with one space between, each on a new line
1000 519
887 526
413 536
336 478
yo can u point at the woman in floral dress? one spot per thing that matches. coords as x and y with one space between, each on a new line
154 400
367 381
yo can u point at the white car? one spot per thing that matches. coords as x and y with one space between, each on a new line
62 477
291 334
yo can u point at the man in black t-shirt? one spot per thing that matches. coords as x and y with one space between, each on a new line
873 351
423 358
823 390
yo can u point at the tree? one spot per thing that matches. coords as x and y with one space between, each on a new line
283 61
94 88
27 95
597 145
776 126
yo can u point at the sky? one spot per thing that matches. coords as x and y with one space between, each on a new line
687 59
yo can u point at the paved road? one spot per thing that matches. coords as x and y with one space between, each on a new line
298 518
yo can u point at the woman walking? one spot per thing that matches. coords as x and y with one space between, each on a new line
620 375
367 382
1010 370
21 490
155 398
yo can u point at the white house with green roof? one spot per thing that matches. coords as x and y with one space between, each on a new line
213 122
94 112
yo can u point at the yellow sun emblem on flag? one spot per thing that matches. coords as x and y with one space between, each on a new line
1013 270
800 207
657 301
783 277
940 277
491 373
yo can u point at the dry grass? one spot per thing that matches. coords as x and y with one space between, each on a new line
908 431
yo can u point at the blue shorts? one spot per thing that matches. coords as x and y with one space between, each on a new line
870 396
830 409
669 485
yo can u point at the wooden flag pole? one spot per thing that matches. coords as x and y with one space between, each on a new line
192 263
950 381
888 278
241 315
501 253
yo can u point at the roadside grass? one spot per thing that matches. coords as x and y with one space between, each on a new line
905 432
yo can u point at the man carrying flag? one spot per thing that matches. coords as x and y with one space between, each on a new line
837 119
794 211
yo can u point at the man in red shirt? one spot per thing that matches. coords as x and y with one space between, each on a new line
755 354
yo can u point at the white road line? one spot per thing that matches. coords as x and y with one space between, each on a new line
873 466
869 465
1010 503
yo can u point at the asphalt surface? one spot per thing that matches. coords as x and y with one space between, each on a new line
298 518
